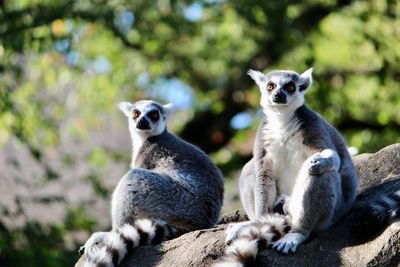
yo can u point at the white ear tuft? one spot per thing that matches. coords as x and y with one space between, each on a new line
307 73
168 109
306 79
126 108
257 76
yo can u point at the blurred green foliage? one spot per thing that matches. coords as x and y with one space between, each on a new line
64 64
34 245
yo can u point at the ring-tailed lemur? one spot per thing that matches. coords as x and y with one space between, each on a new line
300 167
172 188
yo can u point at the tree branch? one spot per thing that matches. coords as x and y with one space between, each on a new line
44 15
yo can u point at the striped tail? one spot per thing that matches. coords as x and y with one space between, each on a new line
246 238
387 208
108 249
376 208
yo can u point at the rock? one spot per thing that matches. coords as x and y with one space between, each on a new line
342 245
376 168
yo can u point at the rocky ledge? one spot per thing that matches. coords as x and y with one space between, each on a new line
345 244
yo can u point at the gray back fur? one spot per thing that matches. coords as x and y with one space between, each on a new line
173 181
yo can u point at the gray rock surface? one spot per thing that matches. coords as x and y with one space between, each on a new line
342 245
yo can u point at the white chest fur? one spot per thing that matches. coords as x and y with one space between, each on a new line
137 143
286 152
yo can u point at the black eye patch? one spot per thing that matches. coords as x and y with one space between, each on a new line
290 87
154 115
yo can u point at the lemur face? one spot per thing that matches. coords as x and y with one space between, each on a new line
146 117
282 88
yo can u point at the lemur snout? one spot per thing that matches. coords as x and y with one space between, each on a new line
81 250
279 97
143 124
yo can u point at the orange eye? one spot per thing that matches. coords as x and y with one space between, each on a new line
154 115
270 87
290 88
135 114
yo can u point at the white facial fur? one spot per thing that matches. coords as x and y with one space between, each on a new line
155 127
144 107
280 79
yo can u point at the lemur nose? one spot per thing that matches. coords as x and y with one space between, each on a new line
81 250
143 124
279 97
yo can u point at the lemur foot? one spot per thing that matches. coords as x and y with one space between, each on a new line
319 165
288 243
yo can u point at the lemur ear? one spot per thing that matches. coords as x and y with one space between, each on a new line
257 76
126 108
305 80
168 109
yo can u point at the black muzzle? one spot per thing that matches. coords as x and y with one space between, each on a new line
143 124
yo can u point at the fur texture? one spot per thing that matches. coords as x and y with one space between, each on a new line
172 188
298 154
297 157
244 239
109 248
300 168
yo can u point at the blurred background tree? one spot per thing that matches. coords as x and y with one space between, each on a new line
65 64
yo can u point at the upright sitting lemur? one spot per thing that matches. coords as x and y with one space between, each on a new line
301 178
171 188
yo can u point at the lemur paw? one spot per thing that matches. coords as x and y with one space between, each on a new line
319 165
288 243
